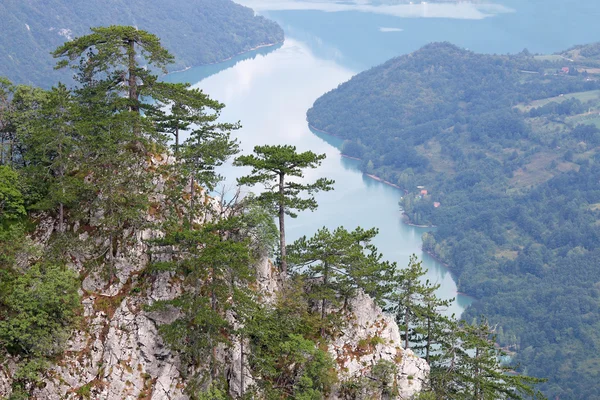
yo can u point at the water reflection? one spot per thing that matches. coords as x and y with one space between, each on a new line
460 10
270 94
193 75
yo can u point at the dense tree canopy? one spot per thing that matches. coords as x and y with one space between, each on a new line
500 153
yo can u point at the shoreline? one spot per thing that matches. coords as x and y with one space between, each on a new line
458 292
244 52
350 157
378 179
436 258
325 132
374 177
228 58
406 221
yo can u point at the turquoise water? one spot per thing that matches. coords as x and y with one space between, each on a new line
270 90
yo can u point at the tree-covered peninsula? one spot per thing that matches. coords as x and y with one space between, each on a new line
501 153
196 31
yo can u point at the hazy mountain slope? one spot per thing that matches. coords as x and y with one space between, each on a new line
195 31
502 154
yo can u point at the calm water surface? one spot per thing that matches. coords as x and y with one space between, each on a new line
270 90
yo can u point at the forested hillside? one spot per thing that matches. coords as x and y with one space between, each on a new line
501 154
195 31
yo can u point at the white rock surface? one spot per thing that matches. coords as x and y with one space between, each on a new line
356 352
119 356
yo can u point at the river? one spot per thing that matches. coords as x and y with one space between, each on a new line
270 89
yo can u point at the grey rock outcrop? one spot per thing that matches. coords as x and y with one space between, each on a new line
119 353
371 336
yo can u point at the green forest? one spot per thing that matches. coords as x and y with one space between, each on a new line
196 32
89 166
500 153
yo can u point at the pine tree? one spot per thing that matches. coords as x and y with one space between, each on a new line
208 146
216 261
6 129
272 166
12 204
51 141
180 108
432 323
108 57
469 366
337 264
408 305
114 138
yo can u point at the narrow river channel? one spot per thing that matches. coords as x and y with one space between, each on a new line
270 90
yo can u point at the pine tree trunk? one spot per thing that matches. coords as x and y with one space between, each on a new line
406 321
213 306
428 346
242 365
192 194
61 217
61 208
476 375
133 95
323 302
111 259
282 227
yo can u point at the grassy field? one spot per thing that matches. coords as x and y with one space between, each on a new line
592 118
582 96
433 152
535 172
549 57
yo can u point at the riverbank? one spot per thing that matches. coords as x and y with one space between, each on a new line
372 176
406 220
449 268
262 46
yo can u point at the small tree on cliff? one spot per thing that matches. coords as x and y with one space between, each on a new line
468 365
272 166
180 107
417 308
339 263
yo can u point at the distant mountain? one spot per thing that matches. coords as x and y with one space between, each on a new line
502 154
195 31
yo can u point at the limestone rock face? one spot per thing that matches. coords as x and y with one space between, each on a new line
5 379
118 353
371 336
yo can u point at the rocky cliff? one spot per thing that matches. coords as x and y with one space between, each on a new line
118 353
